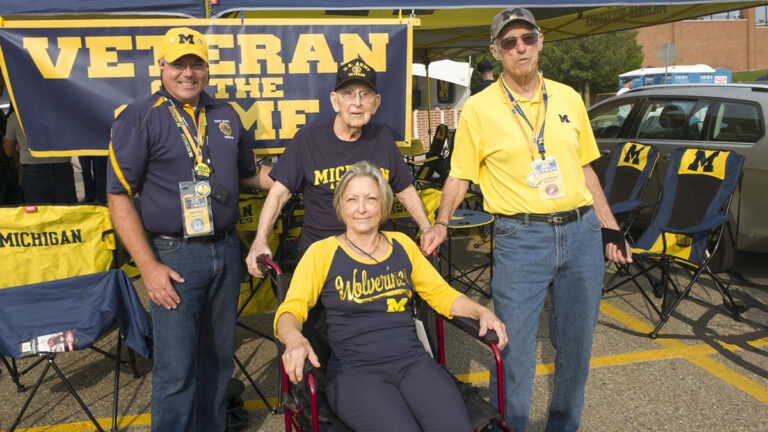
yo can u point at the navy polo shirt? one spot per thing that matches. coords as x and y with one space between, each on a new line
148 158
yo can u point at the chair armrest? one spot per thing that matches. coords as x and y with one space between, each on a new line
705 225
630 205
625 206
426 160
472 327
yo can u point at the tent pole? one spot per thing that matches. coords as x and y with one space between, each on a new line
429 101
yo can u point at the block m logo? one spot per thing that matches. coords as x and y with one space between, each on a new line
632 155
706 162
186 38
396 305
702 162
564 118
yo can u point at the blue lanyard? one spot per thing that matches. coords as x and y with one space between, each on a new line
538 141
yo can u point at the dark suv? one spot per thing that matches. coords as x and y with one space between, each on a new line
720 116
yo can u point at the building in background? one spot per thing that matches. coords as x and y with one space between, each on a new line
448 90
737 40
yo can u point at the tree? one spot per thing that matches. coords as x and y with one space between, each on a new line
591 64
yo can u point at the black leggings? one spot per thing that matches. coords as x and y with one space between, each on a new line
415 394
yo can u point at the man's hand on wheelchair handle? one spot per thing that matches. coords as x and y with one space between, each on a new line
432 238
257 249
297 351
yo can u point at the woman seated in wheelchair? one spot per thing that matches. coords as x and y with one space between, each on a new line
380 378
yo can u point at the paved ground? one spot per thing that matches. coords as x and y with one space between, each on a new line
706 372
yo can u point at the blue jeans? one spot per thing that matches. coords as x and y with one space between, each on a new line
195 342
567 260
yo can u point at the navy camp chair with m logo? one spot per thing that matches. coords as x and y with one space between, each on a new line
687 229
627 174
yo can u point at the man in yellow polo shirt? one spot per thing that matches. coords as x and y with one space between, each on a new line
528 143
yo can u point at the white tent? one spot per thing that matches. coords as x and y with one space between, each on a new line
458 73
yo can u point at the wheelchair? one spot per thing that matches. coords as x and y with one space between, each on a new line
306 407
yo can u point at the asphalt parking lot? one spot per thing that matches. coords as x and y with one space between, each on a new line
706 371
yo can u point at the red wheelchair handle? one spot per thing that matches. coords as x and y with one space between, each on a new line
267 261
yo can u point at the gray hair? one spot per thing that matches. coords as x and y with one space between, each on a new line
364 169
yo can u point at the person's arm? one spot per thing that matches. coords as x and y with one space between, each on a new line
297 347
155 275
411 201
276 198
464 307
260 181
444 299
9 147
453 194
604 215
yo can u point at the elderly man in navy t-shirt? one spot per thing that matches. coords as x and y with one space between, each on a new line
318 156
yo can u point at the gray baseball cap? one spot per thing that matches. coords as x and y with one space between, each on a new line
507 16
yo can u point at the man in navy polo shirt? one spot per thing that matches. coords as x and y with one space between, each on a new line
184 155
318 156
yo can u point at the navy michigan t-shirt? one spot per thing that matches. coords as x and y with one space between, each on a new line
315 161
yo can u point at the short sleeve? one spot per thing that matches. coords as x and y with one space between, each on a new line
128 155
287 169
246 161
400 177
467 149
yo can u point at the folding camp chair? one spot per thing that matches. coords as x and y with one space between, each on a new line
628 171
626 176
688 227
432 170
307 409
58 295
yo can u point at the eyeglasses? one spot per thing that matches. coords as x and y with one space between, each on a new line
180 66
510 43
349 95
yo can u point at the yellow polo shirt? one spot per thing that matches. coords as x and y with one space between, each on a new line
492 150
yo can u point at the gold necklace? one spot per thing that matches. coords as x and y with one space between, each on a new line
360 250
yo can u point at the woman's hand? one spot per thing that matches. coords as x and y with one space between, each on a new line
489 321
297 350
464 307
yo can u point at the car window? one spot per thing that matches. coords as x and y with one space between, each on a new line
672 119
736 122
607 121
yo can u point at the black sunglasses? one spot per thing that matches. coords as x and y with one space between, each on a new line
510 43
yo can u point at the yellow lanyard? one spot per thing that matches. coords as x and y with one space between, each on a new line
535 143
194 146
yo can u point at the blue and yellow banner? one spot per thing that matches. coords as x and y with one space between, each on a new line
68 79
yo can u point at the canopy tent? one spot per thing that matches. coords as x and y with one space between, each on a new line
445 70
188 8
458 28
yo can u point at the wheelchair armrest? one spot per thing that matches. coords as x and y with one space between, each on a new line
472 327
307 365
705 225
